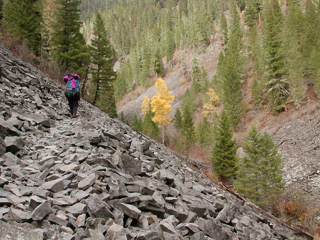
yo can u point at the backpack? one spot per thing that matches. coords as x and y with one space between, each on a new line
72 86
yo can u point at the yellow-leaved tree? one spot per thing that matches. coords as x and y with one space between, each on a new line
212 105
161 104
145 105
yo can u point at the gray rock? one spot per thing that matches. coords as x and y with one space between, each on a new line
19 215
56 185
6 129
9 159
168 224
41 211
98 208
130 210
77 209
12 231
87 182
14 144
213 229
133 165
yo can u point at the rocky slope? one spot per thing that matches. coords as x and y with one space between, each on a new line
94 177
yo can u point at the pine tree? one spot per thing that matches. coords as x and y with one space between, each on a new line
224 158
252 12
103 75
231 84
178 120
224 27
231 70
256 50
259 177
276 82
188 131
256 93
205 132
311 44
149 127
22 19
294 33
158 64
189 99
136 122
68 46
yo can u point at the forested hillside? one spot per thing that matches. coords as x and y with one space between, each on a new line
200 70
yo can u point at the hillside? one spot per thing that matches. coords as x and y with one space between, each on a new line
94 177
296 131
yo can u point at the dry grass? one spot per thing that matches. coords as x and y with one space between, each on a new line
297 210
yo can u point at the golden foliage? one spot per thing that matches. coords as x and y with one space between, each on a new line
161 103
145 105
212 104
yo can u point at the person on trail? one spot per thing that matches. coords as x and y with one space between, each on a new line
72 92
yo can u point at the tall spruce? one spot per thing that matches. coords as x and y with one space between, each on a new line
232 69
68 46
311 46
231 83
294 34
188 130
22 19
177 120
224 27
103 75
259 177
276 83
224 158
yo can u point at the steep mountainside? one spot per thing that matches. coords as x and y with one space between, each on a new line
94 177
296 131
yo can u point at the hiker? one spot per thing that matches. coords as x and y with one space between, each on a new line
72 92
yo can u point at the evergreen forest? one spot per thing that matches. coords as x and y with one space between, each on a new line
269 51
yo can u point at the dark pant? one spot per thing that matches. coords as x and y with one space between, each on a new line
73 98
73 104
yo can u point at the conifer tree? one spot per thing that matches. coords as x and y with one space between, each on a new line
231 84
178 119
259 177
275 75
231 70
294 33
103 75
188 130
189 99
136 122
68 46
224 27
224 158
311 44
22 19
251 16
256 93
158 64
149 127
204 132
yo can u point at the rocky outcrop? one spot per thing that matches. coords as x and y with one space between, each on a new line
93 177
